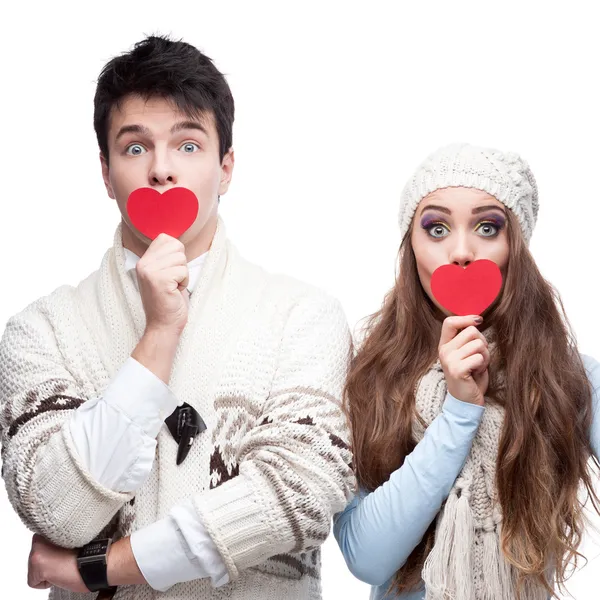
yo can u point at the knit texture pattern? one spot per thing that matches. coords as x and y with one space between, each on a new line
466 561
263 359
504 175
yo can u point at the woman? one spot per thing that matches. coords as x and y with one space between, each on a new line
470 436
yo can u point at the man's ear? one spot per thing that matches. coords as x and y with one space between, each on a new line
105 177
226 171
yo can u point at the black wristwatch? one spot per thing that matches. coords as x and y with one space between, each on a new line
92 565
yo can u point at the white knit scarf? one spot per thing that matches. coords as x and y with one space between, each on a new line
466 562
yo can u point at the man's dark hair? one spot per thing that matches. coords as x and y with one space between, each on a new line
173 70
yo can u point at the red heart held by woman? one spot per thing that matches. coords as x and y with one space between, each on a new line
171 212
467 291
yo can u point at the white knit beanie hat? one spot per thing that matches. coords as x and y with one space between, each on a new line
504 175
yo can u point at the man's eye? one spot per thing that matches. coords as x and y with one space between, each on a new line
135 149
189 147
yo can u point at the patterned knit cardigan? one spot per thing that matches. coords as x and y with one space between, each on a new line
263 359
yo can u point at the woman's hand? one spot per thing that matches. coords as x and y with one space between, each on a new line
464 355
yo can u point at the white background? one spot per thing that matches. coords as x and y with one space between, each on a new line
336 104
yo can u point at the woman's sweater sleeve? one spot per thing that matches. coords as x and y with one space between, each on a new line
592 368
378 531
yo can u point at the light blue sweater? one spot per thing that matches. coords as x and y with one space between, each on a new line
378 531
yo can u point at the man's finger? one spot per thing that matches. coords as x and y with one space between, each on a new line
43 585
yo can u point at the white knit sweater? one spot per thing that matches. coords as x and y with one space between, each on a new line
263 359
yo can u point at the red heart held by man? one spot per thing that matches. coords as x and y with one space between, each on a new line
467 290
171 212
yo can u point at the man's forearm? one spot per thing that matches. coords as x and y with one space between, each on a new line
156 351
122 567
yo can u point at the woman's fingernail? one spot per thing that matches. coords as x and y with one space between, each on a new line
478 320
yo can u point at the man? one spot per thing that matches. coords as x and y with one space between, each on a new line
180 401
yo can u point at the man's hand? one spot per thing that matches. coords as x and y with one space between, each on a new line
163 277
51 565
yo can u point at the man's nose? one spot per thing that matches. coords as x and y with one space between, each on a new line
161 171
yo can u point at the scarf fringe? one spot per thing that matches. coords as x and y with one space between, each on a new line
461 557
467 563
497 577
447 571
435 569
507 572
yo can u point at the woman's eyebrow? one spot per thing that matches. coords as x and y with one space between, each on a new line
481 209
475 211
435 207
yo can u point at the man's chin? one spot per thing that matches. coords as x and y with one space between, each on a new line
134 239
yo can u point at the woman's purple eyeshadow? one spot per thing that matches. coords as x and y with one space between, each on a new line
497 220
428 222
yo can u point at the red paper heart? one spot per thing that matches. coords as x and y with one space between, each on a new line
467 291
153 213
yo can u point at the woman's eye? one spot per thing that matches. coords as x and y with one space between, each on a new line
438 231
189 147
488 229
135 149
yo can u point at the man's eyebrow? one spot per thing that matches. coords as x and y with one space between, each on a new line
142 130
133 129
188 125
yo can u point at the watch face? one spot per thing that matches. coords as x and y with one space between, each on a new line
91 562
95 548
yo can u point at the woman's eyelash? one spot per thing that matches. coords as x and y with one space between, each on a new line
498 223
432 223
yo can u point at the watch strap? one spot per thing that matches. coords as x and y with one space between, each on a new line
107 594
93 568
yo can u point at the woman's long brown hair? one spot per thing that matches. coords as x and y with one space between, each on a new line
544 449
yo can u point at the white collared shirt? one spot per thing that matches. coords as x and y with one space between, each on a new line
115 436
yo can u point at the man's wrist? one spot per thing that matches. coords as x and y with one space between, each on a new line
122 568
92 564
163 331
112 564
156 351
